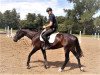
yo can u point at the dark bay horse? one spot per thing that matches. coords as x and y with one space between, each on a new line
67 41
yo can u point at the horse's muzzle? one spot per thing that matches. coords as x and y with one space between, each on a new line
14 40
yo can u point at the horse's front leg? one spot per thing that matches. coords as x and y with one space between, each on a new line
29 56
45 58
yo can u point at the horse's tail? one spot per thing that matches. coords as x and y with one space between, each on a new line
78 48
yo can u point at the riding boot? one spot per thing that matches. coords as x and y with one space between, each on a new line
47 45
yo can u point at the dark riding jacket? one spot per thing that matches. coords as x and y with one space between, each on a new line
53 20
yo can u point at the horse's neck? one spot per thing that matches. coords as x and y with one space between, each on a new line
30 34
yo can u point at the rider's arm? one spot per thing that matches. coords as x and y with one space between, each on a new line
50 21
50 24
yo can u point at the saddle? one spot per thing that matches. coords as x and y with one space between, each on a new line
51 38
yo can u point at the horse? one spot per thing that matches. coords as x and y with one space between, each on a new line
69 42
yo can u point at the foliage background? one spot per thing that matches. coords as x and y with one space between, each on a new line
80 18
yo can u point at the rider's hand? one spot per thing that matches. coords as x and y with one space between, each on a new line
44 26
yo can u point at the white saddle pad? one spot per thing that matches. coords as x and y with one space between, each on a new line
52 36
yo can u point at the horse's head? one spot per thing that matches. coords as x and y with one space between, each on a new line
19 34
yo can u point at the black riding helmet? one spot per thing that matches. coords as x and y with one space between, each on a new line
48 9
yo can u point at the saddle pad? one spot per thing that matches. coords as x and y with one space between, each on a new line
52 37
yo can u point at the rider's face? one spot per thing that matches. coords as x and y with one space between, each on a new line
50 12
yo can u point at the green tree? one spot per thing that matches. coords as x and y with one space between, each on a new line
97 24
97 21
33 21
70 21
1 21
83 13
40 20
60 19
15 19
7 18
31 17
11 18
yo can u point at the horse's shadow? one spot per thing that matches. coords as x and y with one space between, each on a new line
57 64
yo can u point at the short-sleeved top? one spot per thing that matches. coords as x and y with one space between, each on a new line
52 18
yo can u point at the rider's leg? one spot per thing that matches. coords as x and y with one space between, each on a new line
45 35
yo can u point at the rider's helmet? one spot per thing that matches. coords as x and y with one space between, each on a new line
48 9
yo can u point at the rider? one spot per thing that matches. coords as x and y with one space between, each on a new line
50 28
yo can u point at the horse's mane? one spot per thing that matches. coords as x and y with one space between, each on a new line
31 29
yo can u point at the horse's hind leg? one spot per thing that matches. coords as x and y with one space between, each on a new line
29 56
78 58
66 60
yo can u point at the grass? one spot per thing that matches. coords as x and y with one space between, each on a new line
14 31
2 29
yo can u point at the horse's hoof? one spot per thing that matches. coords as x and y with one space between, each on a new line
82 69
48 66
60 70
45 67
28 67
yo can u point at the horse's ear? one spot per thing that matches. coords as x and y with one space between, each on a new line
19 27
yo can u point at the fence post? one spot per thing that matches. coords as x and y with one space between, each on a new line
8 31
11 34
70 31
80 35
98 36
95 35
5 29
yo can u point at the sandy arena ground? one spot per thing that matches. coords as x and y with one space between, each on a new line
13 57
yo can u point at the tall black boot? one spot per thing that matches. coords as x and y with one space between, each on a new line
47 45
